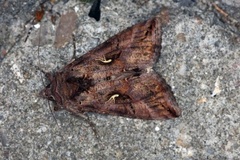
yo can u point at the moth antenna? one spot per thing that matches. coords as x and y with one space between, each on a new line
93 127
90 123
53 114
38 50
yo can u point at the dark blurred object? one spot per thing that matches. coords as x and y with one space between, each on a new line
95 10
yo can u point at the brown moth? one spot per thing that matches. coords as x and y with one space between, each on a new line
117 78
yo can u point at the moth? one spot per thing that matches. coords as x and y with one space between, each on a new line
117 78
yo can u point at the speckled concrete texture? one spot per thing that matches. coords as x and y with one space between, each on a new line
200 59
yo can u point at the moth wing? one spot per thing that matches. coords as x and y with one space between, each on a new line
136 47
146 97
152 98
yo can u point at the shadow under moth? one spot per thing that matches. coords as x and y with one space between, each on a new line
117 77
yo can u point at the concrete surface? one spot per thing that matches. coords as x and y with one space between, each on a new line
200 59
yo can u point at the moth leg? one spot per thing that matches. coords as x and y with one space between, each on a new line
57 108
90 123
74 46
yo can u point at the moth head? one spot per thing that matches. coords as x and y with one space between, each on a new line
47 93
